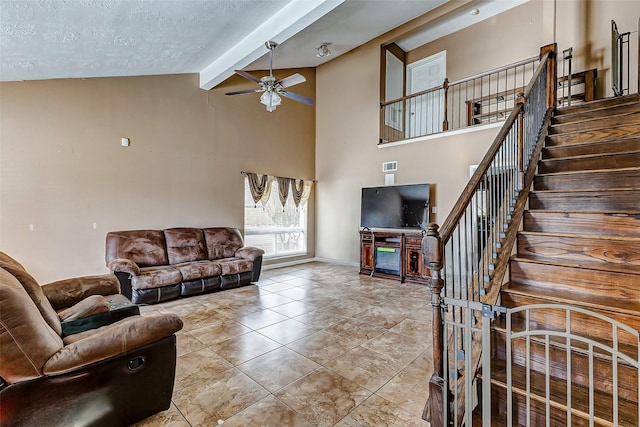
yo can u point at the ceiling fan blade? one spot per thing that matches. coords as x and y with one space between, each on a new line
293 79
248 76
296 97
238 92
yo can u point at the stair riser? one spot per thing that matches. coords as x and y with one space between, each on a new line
611 161
558 417
589 282
583 223
628 200
581 324
602 122
601 105
581 249
602 369
604 134
596 114
619 146
587 181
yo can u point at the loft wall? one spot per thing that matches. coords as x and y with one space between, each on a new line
62 167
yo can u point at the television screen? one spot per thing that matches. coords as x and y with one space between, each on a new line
397 206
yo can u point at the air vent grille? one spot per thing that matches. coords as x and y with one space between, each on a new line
390 166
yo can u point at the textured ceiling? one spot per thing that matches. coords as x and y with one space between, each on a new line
49 39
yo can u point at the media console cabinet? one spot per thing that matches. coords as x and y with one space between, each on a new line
393 255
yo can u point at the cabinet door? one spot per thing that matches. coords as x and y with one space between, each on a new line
366 262
414 263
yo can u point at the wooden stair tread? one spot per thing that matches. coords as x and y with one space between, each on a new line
592 147
587 190
613 224
598 104
592 135
580 236
595 123
594 171
594 113
581 212
609 267
592 156
628 411
602 303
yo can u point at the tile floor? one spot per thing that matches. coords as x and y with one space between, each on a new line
312 345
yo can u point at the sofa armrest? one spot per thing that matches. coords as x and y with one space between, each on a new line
111 340
68 292
124 265
249 252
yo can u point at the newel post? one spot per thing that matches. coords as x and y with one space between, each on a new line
445 86
552 73
432 253
521 100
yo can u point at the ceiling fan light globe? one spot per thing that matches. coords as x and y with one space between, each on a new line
271 100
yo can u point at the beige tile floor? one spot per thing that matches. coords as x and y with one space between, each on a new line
312 345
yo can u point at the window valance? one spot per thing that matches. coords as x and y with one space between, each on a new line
260 186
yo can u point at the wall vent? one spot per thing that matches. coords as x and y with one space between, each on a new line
390 166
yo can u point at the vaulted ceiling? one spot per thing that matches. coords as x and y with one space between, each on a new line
50 39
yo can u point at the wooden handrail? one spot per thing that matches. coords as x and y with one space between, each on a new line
464 199
495 70
413 95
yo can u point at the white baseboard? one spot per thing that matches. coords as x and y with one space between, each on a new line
307 260
338 262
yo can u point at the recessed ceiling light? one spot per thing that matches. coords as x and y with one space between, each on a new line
475 11
323 50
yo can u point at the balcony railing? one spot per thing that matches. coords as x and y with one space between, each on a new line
484 98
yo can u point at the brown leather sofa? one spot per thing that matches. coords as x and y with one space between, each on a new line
114 375
159 265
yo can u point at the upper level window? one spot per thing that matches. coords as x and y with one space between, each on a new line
279 230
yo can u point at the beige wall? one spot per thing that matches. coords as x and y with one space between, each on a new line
503 39
62 167
585 25
347 155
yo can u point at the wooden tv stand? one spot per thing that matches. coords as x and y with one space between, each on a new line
393 255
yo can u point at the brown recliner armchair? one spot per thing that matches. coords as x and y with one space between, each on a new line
114 375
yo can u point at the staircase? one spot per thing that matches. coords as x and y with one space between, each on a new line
580 245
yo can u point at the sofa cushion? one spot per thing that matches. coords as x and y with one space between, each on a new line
222 242
198 269
26 340
156 277
144 247
34 290
185 244
234 265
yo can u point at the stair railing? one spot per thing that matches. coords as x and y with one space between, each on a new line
619 60
468 257
480 99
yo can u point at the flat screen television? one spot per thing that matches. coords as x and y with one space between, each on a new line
396 206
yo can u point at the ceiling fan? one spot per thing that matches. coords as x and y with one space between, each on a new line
272 87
